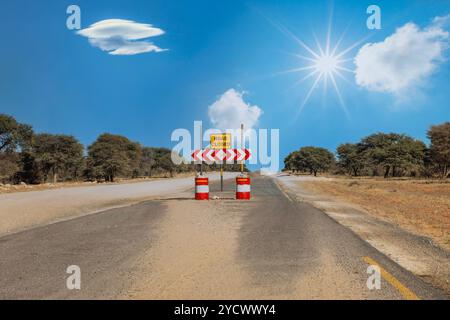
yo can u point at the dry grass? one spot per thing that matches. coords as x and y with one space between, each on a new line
421 206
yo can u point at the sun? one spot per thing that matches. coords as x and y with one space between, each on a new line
324 65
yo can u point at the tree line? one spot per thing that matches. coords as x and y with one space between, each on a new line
380 154
33 158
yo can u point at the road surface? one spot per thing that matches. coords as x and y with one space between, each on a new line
176 248
25 210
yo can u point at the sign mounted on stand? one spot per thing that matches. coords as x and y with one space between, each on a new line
220 141
221 151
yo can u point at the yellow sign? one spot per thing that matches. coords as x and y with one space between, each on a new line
221 141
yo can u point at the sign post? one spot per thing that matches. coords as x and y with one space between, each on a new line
242 147
221 177
201 148
221 141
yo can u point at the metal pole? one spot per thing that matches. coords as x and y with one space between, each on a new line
221 177
242 147
201 148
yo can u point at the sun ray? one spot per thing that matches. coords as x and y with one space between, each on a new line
353 46
313 87
340 75
345 69
321 53
306 77
330 23
345 60
309 75
303 57
296 70
287 32
338 92
341 38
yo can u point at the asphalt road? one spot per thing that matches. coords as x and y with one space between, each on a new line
269 248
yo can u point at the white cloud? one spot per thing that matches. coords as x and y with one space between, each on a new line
403 60
441 21
121 37
230 111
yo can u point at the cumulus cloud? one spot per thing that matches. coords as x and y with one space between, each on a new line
230 111
122 37
404 60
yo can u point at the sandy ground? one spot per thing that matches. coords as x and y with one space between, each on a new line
397 223
23 210
23 187
419 206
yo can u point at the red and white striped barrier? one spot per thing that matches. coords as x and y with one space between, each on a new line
201 188
211 155
243 188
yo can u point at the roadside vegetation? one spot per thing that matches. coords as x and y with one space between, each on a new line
381 154
391 176
33 158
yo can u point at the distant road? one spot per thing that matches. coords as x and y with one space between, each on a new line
22 210
176 248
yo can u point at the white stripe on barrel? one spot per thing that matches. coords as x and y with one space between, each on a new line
201 189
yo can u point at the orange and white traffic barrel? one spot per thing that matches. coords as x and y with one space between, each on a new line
201 188
243 188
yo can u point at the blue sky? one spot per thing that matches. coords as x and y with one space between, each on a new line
55 80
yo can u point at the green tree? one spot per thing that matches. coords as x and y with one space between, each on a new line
57 154
113 155
31 173
394 152
288 162
351 158
13 134
9 166
14 138
165 164
163 161
313 159
440 147
148 162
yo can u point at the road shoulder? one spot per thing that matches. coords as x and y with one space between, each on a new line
413 252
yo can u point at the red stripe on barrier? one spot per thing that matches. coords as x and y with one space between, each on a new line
243 195
202 196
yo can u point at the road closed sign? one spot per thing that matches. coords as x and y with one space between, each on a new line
221 141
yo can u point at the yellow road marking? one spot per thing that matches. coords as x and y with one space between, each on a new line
404 291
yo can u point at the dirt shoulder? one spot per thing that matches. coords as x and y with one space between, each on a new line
23 187
406 220
419 206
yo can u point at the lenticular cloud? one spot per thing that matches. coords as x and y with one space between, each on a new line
122 37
